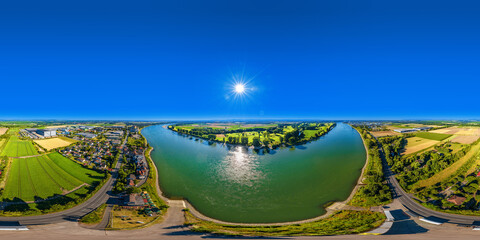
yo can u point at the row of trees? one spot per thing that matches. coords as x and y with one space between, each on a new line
375 192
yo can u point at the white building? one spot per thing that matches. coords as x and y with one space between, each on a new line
47 132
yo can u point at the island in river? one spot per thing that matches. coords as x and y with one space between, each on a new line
258 135
234 184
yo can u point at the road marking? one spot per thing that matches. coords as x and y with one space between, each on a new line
430 221
14 228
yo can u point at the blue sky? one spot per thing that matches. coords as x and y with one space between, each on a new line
177 60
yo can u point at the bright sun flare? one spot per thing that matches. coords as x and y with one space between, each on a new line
239 88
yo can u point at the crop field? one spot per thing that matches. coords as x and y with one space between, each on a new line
462 135
3 130
415 144
465 139
45 176
433 136
52 143
18 148
384 133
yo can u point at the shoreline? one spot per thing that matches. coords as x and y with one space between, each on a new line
201 216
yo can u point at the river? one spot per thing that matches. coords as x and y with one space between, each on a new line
236 185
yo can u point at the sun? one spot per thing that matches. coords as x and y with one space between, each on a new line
240 88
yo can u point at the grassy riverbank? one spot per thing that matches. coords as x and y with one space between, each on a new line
374 192
340 223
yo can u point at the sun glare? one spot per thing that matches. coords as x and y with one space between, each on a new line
239 88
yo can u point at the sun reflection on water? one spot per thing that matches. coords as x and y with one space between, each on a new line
240 167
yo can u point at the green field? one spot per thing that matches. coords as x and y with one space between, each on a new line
18 148
433 136
45 176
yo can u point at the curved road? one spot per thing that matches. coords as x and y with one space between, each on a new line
419 209
75 213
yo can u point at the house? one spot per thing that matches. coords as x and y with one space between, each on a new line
131 183
134 200
478 174
87 135
457 200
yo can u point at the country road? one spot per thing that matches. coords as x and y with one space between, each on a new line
75 213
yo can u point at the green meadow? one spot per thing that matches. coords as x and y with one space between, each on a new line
433 136
18 148
45 176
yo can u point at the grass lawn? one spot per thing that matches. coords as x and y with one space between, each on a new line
43 177
18 148
433 136
129 218
341 222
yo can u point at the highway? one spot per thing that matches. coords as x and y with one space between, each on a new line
75 213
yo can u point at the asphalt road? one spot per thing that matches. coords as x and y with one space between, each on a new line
75 213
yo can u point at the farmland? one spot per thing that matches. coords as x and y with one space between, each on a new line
52 143
415 144
462 134
45 176
3 130
384 133
18 148
433 136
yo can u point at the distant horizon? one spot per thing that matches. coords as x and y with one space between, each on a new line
242 119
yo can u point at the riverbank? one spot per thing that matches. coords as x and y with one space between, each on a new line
329 211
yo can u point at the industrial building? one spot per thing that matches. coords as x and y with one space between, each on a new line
47 132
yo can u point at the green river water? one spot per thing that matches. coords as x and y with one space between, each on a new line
232 183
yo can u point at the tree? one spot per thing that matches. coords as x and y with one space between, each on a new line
134 190
256 142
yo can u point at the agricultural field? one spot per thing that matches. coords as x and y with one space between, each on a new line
18 148
42 177
415 144
3 130
384 133
52 143
409 125
433 136
464 135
